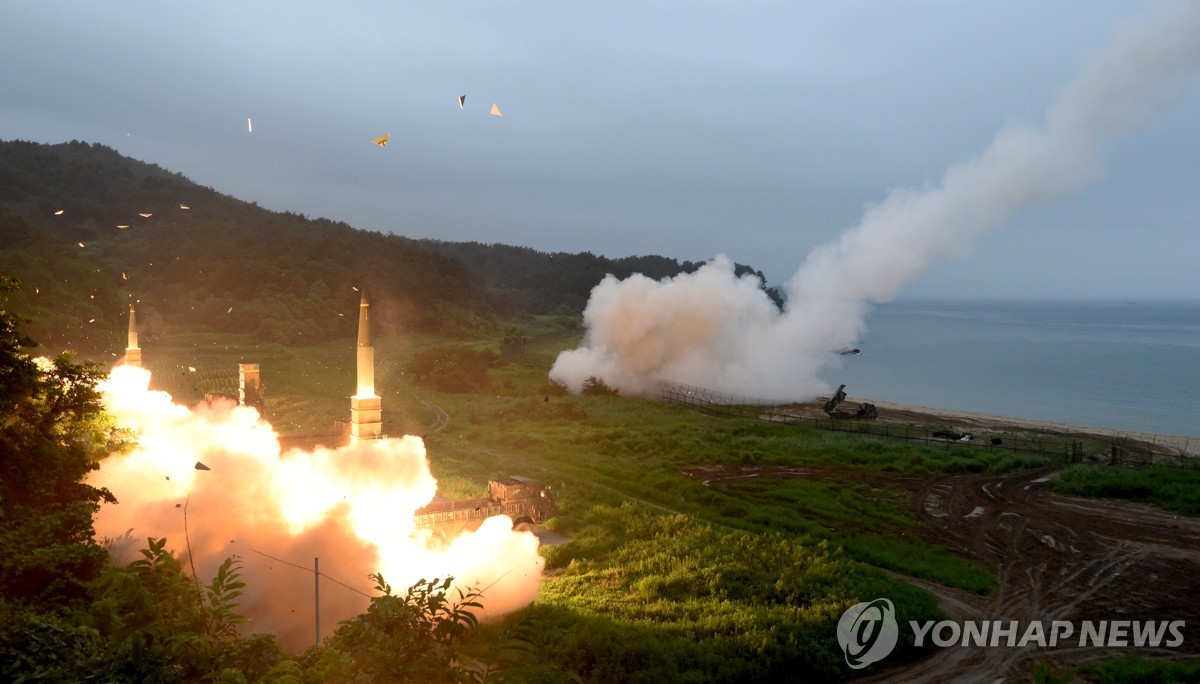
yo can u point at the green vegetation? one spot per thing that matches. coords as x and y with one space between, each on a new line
67 615
1133 669
677 564
1173 489
1127 669
641 596
455 368
662 577
524 280
227 266
52 433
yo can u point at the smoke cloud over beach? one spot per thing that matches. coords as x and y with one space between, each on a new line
712 329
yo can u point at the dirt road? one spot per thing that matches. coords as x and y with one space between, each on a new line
1055 558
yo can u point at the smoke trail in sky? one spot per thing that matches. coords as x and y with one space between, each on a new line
351 507
713 329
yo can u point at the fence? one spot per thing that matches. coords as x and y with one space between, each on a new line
1067 448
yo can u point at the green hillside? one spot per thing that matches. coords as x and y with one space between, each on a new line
219 264
88 231
521 279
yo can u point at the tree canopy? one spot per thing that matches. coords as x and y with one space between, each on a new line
52 433
90 232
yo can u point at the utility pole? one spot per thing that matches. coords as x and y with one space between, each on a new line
317 595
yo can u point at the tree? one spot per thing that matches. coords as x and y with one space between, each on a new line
158 624
53 431
403 638
596 387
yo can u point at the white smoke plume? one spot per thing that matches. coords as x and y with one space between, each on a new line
712 329
350 507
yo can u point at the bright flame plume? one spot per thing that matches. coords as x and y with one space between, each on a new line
351 506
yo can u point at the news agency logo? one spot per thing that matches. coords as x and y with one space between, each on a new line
867 632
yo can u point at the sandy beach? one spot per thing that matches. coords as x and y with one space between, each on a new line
965 421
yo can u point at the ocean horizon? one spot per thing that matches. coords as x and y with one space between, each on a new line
1125 365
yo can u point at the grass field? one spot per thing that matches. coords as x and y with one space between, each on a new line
1173 489
663 579
1122 670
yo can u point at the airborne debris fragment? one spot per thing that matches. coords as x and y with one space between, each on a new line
382 140
496 110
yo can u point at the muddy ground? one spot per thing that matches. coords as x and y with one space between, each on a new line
1055 558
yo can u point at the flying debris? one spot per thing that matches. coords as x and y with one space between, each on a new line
850 351
201 466
145 215
184 206
382 140
462 101
59 212
496 110
123 276
229 310
191 369
249 125
82 245
91 320
354 288
122 227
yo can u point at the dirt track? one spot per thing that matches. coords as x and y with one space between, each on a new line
1056 558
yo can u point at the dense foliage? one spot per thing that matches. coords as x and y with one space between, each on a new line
51 435
221 263
67 615
91 231
453 368
1175 489
524 280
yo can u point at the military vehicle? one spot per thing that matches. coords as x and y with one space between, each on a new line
526 501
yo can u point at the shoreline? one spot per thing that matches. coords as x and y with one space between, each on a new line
896 412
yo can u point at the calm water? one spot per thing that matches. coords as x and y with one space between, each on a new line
1122 365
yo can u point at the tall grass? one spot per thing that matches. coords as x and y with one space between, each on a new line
1173 489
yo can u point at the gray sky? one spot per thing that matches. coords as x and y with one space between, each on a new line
688 128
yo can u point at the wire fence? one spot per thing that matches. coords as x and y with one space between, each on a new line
1065 448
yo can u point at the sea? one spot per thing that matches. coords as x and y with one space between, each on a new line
1123 365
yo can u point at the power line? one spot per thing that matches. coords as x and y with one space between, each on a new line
301 567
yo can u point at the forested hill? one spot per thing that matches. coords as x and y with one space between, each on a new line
521 279
218 264
89 231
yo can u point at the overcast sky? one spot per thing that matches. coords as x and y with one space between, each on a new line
754 128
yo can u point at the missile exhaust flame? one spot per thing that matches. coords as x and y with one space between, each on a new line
351 506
